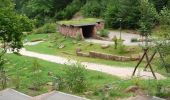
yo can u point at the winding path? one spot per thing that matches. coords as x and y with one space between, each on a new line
123 72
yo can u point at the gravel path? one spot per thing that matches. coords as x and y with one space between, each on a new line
123 72
125 36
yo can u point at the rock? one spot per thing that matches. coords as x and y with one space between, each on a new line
61 46
50 73
78 50
50 83
105 46
132 89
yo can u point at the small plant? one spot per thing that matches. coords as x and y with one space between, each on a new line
115 41
121 48
36 76
104 33
76 78
3 76
134 40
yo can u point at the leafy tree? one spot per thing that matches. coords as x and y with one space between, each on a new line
159 4
148 17
164 16
70 10
129 14
110 15
11 27
92 9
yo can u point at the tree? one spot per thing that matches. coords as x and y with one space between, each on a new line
148 17
129 14
11 27
164 16
159 4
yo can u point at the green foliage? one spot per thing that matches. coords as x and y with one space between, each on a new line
111 15
164 16
92 9
36 76
76 78
12 25
104 33
148 17
134 40
121 48
70 10
3 75
47 28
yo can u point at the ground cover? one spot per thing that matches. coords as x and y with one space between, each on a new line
51 46
85 21
20 66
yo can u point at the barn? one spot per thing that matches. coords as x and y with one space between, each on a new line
86 28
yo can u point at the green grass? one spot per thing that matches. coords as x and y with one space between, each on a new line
85 21
21 65
69 51
33 37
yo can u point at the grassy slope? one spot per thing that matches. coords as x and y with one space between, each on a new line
20 65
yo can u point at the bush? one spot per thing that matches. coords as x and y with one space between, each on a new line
36 77
164 16
70 10
47 28
91 9
134 40
76 78
104 33
121 48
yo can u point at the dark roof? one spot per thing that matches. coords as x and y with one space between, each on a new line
10 94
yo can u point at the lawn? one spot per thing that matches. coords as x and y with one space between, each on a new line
20 66
51 47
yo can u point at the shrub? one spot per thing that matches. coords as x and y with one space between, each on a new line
121 48
76 78
47 28
164 16
134 40
36 76
104 33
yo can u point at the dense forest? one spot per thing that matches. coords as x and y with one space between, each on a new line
133 13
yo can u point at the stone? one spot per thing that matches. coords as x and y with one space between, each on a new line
105 46
50 83
61 46
78 50
132 89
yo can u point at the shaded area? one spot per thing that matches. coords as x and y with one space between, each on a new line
88 31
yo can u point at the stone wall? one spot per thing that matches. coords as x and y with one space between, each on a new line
70 31
93 54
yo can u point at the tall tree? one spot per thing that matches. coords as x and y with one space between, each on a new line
149 17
